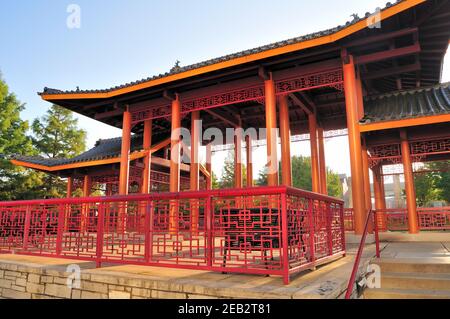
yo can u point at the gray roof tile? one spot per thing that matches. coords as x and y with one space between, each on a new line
408 104
103 149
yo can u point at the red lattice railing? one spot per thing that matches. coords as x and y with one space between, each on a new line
266 230
431 219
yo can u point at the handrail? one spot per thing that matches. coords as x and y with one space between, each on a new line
251 191
351 282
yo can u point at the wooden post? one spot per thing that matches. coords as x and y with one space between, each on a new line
354 136
315 176
85 207
124 173
248 142
271 131
285 134
322 162
366 176
238 158
147 145
195 168
367 190
209 166
125 154
175 159
380 202
68 208
413 221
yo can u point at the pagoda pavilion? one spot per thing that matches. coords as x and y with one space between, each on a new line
377 76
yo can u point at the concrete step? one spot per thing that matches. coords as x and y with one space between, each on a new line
405 294
419 265
420 281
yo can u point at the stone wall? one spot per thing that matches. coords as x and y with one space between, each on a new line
28 282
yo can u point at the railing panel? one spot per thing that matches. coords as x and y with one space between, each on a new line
80 231
247 232
266 230
12 225
430 219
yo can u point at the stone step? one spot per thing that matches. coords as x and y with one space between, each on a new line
426 281
405 294
419 265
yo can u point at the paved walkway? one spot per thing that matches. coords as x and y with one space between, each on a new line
416 250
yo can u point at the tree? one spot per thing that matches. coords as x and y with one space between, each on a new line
432 183
56 135
301 177
227 180
16 183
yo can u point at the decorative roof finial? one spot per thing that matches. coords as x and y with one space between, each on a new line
176 67
355 17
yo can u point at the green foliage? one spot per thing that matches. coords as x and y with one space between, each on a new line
215 181
301 177
15 183
432 183
56 135
227 180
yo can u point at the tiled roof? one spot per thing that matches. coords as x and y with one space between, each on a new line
260 49
408 104
103 149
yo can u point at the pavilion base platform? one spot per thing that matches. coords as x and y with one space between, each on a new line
425 236
352 238
414 270
29 277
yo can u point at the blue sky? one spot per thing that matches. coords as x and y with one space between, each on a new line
125 40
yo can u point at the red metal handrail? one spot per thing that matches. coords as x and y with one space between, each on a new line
352 280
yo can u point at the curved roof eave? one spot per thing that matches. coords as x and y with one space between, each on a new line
283 47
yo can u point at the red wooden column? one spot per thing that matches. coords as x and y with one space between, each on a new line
124 173
366 176
68 208
69 187
248 142
175 159
125 154
87 185
271 131
195 167
238 158
285 135
367 191
315 175
380 201
322 162
413 221
209 166
147 145
195 145
354 136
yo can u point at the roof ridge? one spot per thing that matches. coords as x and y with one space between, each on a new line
262 48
